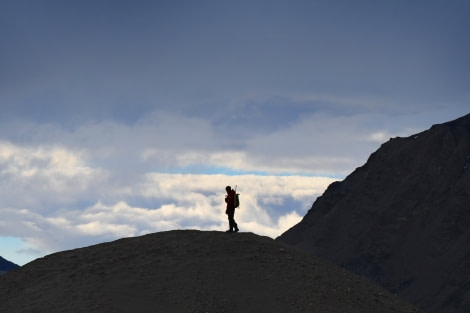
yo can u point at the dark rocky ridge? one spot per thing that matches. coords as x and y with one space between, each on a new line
6 265
402 220
190 271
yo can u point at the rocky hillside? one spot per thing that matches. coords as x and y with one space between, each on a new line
6 265
190 271
402 220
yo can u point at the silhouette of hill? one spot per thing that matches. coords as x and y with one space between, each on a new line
402 220
190 271
6 265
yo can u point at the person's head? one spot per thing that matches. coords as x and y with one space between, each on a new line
228 188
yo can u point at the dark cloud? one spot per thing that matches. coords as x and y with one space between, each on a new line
69 62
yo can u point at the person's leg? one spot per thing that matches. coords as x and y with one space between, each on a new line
231 221
235 226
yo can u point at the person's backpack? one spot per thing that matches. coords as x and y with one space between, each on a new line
236 201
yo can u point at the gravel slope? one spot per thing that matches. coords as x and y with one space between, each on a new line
190 271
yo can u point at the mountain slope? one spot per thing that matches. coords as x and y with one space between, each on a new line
402 219
6 265
190 271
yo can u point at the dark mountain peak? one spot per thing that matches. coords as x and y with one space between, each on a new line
463 121
402 218
6 265
190 271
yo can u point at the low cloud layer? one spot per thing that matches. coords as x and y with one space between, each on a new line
54 198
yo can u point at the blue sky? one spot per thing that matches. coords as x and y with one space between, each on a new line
119 118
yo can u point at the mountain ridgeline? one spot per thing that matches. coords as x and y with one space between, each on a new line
402 219
6 265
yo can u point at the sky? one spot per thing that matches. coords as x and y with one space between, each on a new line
122 118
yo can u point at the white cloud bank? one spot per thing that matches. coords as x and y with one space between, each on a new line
54 200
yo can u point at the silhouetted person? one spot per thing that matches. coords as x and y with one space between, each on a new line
230 211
